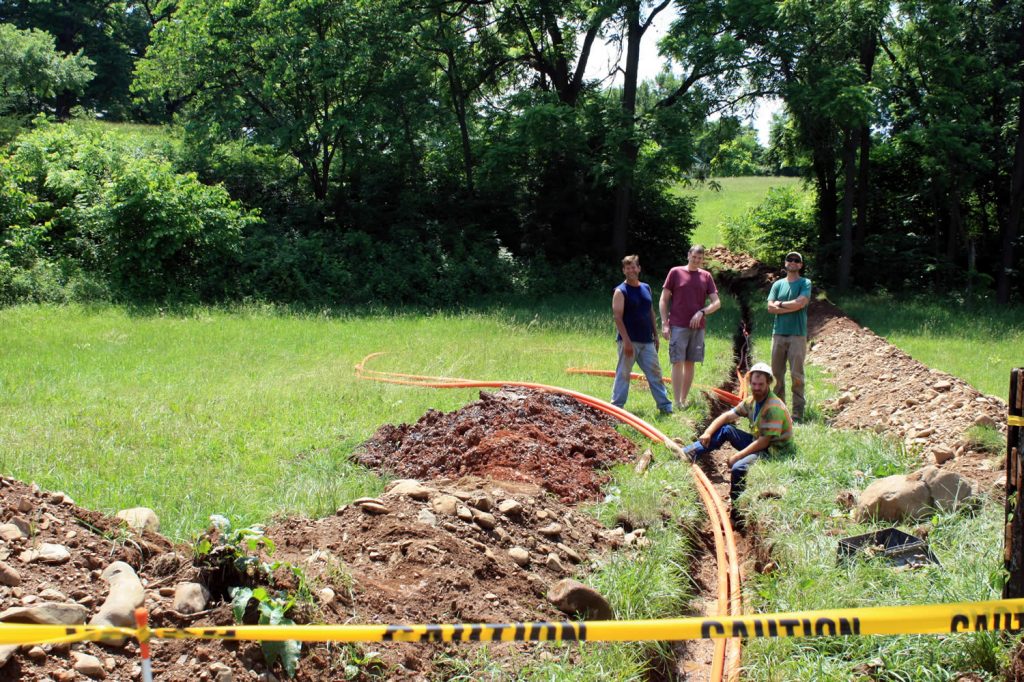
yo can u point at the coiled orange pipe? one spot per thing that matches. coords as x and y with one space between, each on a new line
723 665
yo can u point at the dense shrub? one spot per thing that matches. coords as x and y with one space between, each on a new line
85 211
161 234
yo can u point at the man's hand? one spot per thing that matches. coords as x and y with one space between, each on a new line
775 306
695 320
705 439
736 457
657 343
666 331
627 348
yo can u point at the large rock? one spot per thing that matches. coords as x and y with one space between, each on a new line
445 505
190 598
575 598
10 531
6 652
46 614
140 518
948 489
409 487
8 575
894 498
126 594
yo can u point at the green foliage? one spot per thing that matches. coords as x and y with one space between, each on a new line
783 222
160 234
110 208
233 557
110 34
33 73
272 607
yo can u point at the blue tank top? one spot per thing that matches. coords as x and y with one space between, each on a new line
636 313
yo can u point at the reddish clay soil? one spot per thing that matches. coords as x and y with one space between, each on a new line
547 439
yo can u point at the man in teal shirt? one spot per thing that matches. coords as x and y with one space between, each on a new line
788 301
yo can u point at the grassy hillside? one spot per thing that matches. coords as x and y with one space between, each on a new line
735 197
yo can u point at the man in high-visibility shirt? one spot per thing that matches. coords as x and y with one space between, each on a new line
771 425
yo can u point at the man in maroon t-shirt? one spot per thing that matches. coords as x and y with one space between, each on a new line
691 295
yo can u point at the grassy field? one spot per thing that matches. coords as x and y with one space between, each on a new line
251 413
979 342
735 196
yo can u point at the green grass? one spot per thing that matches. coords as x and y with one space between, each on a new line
250 413
736 196
978 341
803 527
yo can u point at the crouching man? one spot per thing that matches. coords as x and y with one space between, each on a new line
770 422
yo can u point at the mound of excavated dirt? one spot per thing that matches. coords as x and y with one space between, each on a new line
886 390
742 266
459 549
547 439
445 558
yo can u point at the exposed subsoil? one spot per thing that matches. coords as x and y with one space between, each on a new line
547 439
887 391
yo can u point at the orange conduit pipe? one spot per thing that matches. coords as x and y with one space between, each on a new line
719 393
729 595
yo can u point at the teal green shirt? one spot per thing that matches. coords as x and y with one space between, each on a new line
795 323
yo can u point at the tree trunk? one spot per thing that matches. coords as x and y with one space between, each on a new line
823 162
628 150
850 145
863 189
1011 228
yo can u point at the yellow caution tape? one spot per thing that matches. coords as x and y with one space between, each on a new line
1014 420
17 633
933 619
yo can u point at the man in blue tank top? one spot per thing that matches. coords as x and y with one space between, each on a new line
633 310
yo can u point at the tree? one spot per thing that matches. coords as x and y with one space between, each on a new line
305 76
32 72
113 34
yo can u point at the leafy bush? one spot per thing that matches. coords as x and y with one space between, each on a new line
783 222
162 234
104 205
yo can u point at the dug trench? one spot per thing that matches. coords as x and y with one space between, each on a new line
741 280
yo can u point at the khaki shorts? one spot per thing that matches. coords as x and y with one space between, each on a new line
686 345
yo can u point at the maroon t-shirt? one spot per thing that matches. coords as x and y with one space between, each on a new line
690 292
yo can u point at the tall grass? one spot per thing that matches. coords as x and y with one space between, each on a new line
802 528
978 341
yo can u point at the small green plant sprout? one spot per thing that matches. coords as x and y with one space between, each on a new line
235 550
272 607
361 665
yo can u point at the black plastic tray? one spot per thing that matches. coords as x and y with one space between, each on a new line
891 544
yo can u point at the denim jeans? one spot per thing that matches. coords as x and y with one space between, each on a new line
739 440
645 355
